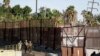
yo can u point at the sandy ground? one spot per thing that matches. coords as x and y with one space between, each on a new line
20 53
10 53
35 53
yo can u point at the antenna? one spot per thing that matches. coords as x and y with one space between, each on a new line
92 7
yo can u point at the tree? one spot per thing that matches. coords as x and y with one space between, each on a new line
48 13
26 11
1 13
6 3
1 10
45 13
17 11
69 15
42 13
5 13
88 16
56 13
57 16
97 17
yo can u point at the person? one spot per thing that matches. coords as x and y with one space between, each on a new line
98 54
19 45
30 46
26 46
93 53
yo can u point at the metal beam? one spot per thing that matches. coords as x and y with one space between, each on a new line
92 6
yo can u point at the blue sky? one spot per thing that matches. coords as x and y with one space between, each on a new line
57 4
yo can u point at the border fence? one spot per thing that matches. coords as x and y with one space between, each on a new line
40 32
46 33
79 40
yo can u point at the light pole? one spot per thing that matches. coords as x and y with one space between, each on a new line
36 8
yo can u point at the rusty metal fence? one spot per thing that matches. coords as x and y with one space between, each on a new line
41 32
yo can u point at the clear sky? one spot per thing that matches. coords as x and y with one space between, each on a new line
57 4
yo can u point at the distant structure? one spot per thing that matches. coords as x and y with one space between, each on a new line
92 6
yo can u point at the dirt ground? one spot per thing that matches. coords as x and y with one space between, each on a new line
33 53
22 53
36 53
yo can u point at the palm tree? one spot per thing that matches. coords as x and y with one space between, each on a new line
70 17
70 14
88 16
6 3
57 17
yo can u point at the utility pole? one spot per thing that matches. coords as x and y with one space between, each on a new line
36 7
92 6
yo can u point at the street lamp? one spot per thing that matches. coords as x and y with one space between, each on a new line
36 8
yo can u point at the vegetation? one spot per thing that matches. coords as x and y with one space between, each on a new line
89 18
6 3
97 17
17 13
69 15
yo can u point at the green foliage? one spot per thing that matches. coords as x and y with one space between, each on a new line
16 10
1 10
57 16
4 10
15 13
45 13
89 18
97 17
6 1
70 8
87 15
48 13
69 14
56 13
21 13
26 10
